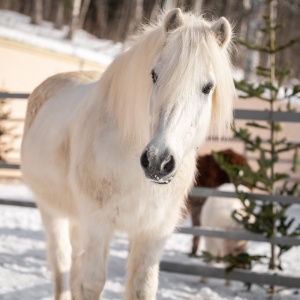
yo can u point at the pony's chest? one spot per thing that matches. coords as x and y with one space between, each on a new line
144 205
144 208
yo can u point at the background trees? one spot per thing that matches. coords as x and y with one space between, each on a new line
118 19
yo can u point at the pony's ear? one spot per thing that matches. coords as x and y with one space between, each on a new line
173 20
222 31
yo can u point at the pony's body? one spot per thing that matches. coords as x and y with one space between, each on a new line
83 140
217 213
210 174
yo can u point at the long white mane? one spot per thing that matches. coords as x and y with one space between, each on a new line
130 73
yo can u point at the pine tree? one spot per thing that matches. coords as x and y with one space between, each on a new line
6 139
270 217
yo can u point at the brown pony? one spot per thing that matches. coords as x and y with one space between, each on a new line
210 175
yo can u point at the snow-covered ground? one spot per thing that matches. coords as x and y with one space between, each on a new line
23 268
16 27
24 273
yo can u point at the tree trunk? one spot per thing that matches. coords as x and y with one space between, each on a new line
102 18
198 6
83 12
254 36
26 7
127 18
138 16
148 8
47 10
6 4
74 20
59 16
155 10
169 4
273 264
37 16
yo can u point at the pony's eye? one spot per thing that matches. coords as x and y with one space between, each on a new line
154 76
207 88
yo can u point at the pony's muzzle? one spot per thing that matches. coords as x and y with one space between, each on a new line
159 168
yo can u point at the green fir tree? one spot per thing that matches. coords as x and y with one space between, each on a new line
270 217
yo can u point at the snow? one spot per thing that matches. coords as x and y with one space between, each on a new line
24 272
16 27
23 268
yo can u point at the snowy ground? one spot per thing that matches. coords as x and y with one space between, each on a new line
24 274
16 27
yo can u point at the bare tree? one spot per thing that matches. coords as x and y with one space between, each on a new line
37 12
59 15
84 8
138 14
198 5
102 17
74 20
148 7
5 4
126 20
155 9
254 36
117 19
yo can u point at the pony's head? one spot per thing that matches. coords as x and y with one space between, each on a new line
192 91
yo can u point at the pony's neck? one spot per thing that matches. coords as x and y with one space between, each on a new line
127 87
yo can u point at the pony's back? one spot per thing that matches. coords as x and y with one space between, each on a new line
52 86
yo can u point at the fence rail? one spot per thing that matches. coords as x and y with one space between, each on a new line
239 235
14 95
9 166
208 271
258 115
207 192
238 275
16 202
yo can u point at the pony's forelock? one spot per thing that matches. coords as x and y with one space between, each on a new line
195 29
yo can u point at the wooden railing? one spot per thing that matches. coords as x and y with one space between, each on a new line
208 271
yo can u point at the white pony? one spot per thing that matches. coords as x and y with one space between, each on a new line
96 151
217 213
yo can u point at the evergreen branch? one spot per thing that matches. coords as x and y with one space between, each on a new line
275 27
288 148
257 125
287 45
242 260
253 46
267 49
296 161
250 90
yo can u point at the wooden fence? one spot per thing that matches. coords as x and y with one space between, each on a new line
209 271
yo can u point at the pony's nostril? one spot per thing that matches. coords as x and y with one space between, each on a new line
169 165
144 160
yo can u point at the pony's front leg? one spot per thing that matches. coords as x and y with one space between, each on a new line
142 268
58 253
96 236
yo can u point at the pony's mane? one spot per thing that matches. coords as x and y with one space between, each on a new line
196 40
